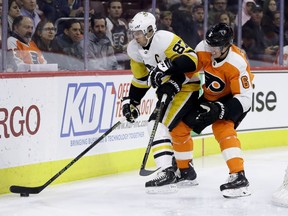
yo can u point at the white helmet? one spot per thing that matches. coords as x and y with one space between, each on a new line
142 21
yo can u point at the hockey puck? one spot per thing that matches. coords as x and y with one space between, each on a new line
24 194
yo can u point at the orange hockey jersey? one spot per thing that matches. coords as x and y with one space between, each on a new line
25 53
230 76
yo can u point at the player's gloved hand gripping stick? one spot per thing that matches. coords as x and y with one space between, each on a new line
156 75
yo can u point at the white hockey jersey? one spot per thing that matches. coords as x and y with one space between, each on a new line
164 45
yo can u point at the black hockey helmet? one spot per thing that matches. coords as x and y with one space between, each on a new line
220 34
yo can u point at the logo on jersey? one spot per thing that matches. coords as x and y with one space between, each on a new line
213 83
86 105
223 32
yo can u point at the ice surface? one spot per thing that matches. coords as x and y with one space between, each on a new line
124 194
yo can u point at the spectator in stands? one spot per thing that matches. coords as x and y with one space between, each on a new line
276 26
252 30
69 42
225 17
272 36
54 9
218 6
19 44
29 9
100 51
165 21
183 24
13 12
198 18
269 9
77 9
247 6
117 32
44 38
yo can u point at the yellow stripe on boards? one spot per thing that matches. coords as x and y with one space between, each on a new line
87 167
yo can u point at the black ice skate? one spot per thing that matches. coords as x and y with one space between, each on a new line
165 182
187 177
237 186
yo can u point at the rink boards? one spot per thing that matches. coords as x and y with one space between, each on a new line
47 119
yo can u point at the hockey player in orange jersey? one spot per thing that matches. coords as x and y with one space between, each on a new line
19 44
225 102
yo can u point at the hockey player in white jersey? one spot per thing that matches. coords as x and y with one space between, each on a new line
162 60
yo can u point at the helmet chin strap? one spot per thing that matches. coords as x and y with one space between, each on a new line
223 55
225 52
148 39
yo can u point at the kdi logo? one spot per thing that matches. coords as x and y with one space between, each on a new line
89 108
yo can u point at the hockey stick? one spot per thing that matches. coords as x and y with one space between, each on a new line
143 171
25 191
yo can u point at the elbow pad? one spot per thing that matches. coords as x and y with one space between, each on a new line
181 65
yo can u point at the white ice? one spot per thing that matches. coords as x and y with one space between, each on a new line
124 194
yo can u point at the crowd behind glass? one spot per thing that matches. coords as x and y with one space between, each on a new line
61 33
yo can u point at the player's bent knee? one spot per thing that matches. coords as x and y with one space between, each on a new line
162 130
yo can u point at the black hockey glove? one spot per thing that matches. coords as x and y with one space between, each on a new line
170 88
210 112
156 75
129 109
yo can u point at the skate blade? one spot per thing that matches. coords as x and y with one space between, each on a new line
165 189
234 193
187 183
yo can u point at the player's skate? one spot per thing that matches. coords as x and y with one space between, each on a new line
187 177
280 197
237 186
164 182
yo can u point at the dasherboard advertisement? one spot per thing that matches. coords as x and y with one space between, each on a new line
52 118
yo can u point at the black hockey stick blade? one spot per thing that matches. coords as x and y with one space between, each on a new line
26 190
36 190
143 171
